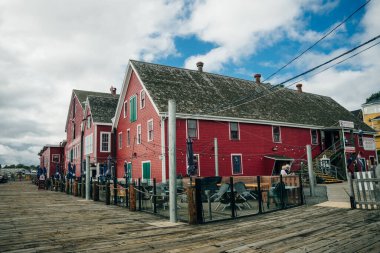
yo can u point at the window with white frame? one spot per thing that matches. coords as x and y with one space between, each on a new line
192 128
234 131
88 140
276 133
128 137
120 140
237 167
88 121
138 134
125 108
150 130
142 99
314 137
105 142
55 158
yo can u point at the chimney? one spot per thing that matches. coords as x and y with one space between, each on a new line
299 88
257 77
113 91
200 66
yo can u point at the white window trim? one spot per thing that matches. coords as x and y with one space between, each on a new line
86 144
120 140
187 135
101 142
147 131
125 113
311 137
141 105
273 135
241 164
142 170
137 134
128 134
229 129
55 155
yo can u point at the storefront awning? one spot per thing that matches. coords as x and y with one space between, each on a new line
279 158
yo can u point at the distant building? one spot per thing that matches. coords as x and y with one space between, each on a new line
358 113
52 158
371 115
258 127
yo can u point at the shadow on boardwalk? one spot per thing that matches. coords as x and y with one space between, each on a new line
44 221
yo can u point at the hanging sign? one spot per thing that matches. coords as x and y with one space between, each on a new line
346 124
350 149
369 143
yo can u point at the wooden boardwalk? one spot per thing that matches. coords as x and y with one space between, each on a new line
45 221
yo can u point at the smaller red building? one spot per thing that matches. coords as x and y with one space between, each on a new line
88 128
52 158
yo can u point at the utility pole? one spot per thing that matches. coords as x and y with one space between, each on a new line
216 157
172 163
310 169
87 177
163 150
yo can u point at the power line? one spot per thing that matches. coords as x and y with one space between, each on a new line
304 73
333 59
322 38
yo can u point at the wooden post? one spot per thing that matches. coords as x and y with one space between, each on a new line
351 190
76 188
191 206
259 196
132 198
95 191
108 193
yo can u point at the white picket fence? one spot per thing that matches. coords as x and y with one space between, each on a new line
366 190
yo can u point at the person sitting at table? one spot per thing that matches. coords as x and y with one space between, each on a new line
283 171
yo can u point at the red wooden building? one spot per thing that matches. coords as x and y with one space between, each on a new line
88 128
258 127
52 158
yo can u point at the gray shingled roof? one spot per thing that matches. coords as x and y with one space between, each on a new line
82 94
103 108
205 93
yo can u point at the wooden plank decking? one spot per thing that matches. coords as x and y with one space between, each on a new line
45 221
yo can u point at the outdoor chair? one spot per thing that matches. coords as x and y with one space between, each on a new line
244 194
276 193
222 196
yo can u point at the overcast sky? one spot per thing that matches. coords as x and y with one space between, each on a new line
49 47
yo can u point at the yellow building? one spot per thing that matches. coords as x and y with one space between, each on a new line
371 115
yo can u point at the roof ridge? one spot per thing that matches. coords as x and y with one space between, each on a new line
197 71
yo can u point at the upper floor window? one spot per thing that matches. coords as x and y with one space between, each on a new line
55 158
128 137
150 130
73 131
192 128
142 99
89 121
133 108
138 134
234 131
88 144
125 108
105 142
314 137
276 133
120 140
237 167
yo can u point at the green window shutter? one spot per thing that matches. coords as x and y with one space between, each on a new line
146 170
133 109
